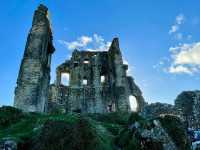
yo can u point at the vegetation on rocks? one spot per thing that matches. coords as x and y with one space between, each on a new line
34 131
175 129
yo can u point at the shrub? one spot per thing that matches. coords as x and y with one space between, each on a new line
9 115
120 118
60 135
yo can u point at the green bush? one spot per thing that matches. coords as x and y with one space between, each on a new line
59 134
120 118
9 115
112 128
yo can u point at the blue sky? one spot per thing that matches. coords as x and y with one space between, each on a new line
160 40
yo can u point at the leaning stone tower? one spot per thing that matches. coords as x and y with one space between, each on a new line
34 76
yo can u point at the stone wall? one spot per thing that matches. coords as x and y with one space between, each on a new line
154 110
188 105
31 92
96 96
98 82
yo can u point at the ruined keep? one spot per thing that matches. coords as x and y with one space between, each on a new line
98 81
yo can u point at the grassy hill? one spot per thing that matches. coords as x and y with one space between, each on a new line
74 131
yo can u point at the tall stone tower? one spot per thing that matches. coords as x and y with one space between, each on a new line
33 80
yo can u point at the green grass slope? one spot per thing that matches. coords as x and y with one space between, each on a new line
34 131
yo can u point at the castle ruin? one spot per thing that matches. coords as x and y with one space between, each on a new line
31 93
98 81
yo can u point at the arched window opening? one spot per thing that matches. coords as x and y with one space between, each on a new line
65 79
133 103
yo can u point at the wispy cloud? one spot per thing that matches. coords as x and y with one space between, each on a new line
180 69
89 43
180 18
81 42
175 27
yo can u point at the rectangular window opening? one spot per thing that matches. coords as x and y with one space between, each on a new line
84 82
102 79
65 79
86 61
75 64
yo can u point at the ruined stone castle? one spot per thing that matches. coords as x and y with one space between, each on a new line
98 82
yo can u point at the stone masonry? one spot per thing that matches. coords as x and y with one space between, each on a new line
98 82
31 92
187 105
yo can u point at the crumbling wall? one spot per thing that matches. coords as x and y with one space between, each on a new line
188 106
31 92
154 110
97 83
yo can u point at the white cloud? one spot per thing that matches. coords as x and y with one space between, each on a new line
180 69
129 72
180 18
185 58
85 40
176 26
188 54
125 61
93 43
79 43
173 29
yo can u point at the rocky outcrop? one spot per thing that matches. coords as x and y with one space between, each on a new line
162 133
188 106
158 133
8 144
158 109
